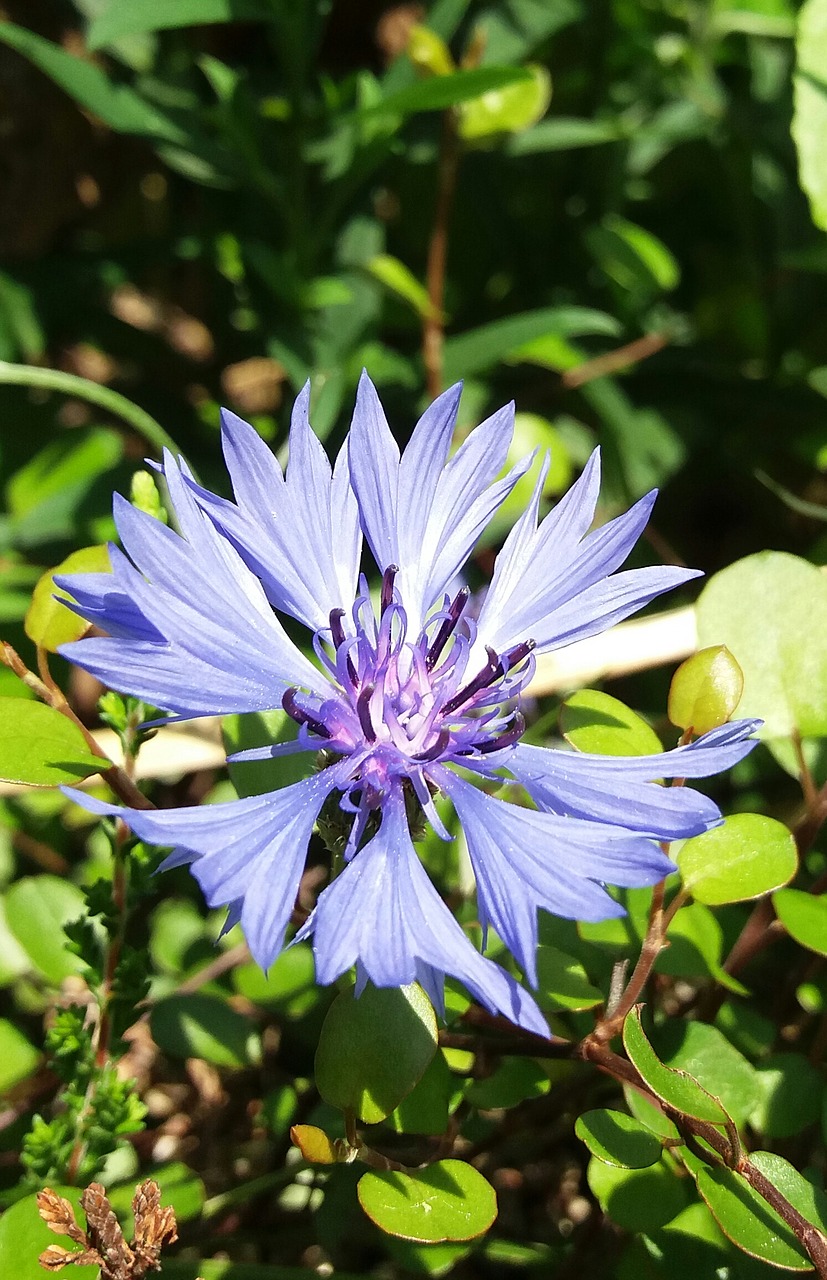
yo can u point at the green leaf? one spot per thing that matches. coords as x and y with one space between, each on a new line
705 690
480 349
425 1109
43 748
508 110
18 1056
635 259
46 495
747 1219
289 985
447 1201
24 1236
202 1026
804 916
646 1110
439 92
618 1139
37 908
695 946
374 1048
598 723
48 622
706 1054
675 1087
514 1080
770 610
139 17
747 856
399 280
792 1090
261 729
120 107
809 127
637 1199
562 982
564 133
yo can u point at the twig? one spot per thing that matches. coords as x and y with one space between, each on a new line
631 353
433 324
654 942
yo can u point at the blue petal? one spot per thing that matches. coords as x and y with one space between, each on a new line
300 535
384 914
420 513
622 790
552 584
249 851
524 859
197 636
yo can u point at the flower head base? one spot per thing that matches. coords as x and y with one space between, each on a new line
401 694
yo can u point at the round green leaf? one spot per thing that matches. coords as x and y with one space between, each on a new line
288 986
374 1048
791 1094
562 982
447 1201
514 1080
202 1026
745 857
24 1236
510 109
747 1219
596 722
804 916
48 622
43 748
425 1109
675 1087
770 610
37 908
637 1199
705 690
18 1056
618 1139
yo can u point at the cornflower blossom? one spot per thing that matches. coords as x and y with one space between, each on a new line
399 696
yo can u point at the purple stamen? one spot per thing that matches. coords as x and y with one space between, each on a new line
337 631
435 751
363 712
492 671
386 596
506 739
516 655
448 627
301 716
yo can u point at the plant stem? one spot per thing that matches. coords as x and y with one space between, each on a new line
653 944
433 324
25 375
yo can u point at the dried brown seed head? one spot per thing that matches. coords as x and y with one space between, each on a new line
59 1215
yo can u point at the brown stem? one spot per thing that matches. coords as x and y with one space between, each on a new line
433 324
118 779
809 1236
631 353
653 944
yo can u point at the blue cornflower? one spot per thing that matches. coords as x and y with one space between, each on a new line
400 695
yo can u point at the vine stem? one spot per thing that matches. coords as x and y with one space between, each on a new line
433 323
70 384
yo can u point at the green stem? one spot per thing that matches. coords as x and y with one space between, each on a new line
25 375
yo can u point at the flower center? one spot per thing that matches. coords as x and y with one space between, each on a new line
398 704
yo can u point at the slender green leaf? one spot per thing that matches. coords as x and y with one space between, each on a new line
675 1087
138 17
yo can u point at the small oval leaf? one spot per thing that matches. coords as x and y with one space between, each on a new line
373 1049
676 1088
596 722
618 1139
48 622
705 690
804 916
314 1144
202 1026
746 856
41 747
449 1200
